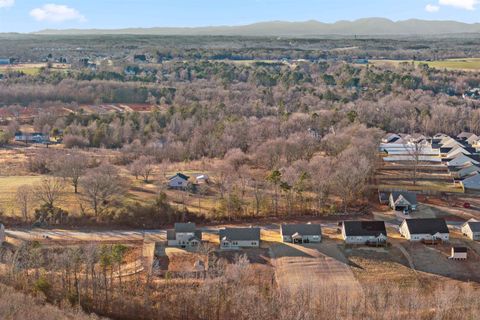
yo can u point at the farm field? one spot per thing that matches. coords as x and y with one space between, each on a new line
33 69
468 64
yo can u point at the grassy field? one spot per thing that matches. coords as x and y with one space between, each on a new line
468 64
32 69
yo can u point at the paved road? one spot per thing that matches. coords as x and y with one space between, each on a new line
138 235
75 235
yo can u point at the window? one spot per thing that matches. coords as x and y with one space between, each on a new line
254 243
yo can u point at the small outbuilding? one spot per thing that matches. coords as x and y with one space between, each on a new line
425 230
301 233
459 253
364 232
471 229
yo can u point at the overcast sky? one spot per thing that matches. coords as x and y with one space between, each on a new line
33 15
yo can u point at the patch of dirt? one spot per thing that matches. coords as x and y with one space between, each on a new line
314 266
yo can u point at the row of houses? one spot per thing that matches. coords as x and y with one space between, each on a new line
460 154
186 235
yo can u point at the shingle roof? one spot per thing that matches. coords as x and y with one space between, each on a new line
426 226
184 227
365 228
303 229
181 175
474 226
239 234
409 196
460 249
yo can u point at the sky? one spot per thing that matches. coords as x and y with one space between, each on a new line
34 15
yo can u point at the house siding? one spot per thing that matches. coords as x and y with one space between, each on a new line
2 234
239 244
467 231
178 182
314 238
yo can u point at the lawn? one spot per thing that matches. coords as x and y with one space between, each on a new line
33 69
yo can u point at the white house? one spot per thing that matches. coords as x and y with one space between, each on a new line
2 234
178 181
364 232
471 229
459 253
425 229
235 238
301 233
400 201
184 235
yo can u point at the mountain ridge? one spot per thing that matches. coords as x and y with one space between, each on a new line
365 26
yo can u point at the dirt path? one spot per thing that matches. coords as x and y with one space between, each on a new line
314 266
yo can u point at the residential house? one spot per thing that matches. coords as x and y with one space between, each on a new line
400 201
364 232
471 229
184 235
2 234
464 171
425 229
235 238
391 138
461 160
471 183
465 135
36 137
179 181
301 233
459 253
140 58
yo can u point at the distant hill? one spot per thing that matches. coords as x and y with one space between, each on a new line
369 26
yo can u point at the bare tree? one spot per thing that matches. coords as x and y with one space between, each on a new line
414 149
143 166
49 190
23 198
71 166
100 186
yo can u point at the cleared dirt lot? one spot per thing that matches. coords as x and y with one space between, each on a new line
313 266
434 259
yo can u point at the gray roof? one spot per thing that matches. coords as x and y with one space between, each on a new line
240 234
426 226
180 175
472 182
364 228
411 197
302 229
474 226
184 227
